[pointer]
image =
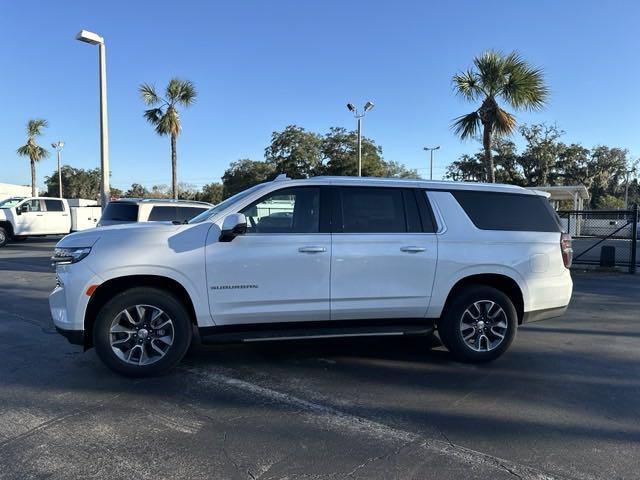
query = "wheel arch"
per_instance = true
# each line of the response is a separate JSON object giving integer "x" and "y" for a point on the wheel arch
{"x": 8, "y": 226}
{"x": 107, "y": 290}
{"x": 504, "y": 283}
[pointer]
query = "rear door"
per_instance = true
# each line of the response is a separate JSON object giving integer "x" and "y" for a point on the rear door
{"x": 56, "y": 218}
{"x": 279, "y": 270}
{"x": 384, "y": 253}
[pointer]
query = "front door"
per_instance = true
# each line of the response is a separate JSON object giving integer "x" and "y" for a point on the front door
{"x": 279, "y": 270}
{"x": 384, "y": 254}
{"x": 31, "y": 220}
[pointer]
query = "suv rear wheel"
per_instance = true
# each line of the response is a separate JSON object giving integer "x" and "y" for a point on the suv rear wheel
{"x": 142, "y": 331}
{"x": 479, "y": 325}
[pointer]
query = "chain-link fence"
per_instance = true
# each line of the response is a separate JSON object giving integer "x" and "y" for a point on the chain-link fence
{"x": 608, "y": 238}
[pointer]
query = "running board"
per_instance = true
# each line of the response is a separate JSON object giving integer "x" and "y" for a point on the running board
{"x": 277, "y": 333}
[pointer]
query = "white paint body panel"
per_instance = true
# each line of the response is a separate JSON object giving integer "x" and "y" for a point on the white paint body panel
{"x": 357, "y": 276}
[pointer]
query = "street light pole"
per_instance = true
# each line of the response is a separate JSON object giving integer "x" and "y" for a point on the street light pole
{"x": 59, "y": 145}
{"x": 95, "y": 39}
{"x": 367, "y": 106}
{"x": 430, "y": 150}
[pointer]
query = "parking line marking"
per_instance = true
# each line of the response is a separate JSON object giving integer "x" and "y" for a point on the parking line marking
{"x": 341, "y": 421}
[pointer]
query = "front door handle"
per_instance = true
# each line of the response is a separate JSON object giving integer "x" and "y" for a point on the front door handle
{"x": 412, "y": 249}
{"x": 39, "y": 215}
{"x": 312, "y": 249}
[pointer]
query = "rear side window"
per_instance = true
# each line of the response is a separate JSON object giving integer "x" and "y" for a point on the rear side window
{"x": 54, "y": 206}
{"x": 162, "y": 214}
{"x": 120, "y": 212}
{"x": 184, "y": 214}
{"x": 507, "y": 211}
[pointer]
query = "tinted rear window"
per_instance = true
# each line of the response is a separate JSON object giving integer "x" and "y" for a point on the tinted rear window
{"x": 507, "y": 211}
{"x": 53, "y": 206}
{"x": 120, "y": 212}
{"x": 168, "y": 213}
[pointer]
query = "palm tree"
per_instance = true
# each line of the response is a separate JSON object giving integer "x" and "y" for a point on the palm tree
{"x": 497, "y": 76}
{"x": 32, "y": 150}
{"x": 165, "y": 116}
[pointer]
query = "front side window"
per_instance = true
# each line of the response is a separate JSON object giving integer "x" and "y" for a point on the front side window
{"x": 373, "y": 210}
{"x": 53, "y": 206}
{"x": 291, "y": 210}
{"x": 32, "y": 206}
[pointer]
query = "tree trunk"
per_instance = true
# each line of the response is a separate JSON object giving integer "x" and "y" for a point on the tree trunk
{"x": 174, "y": 167}
{"x": 33, "y": 177}
{"x": 488, "y": 154}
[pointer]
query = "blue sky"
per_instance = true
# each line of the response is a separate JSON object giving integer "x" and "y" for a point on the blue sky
{"x": 261, "y": 65}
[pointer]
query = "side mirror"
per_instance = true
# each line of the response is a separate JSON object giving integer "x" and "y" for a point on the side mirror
{"x": 22, "y": 208}
{"x": 233, "y": 225}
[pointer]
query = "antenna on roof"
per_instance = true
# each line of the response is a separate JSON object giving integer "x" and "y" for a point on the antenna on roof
{"x": 281, "y": 177}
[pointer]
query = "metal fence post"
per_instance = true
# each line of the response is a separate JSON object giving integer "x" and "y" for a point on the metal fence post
{"x": 634, "y": 239}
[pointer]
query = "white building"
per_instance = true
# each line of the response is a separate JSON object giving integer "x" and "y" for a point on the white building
{"x": 9, "y": 190}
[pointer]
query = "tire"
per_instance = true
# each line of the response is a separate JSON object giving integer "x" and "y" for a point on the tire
{"x": 481, "y": 314}
{"x": 4, "y": 237}
{"x": 132, "y": 338}
{"x": 19, "y": 239}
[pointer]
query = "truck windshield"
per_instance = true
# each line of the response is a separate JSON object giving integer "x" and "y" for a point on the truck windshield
{"x": 225, "y": 204}
{"x": 10, "y": 202}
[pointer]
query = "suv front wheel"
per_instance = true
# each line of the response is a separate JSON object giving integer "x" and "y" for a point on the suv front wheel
{"x": 142, "y": 331}
{"x": 479, "y": 324}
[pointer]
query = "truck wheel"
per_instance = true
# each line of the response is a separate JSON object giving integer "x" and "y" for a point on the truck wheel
{"x": 142, "y": 332}
{"x": 4, "y": 237}
{"x": 479, "y": 324}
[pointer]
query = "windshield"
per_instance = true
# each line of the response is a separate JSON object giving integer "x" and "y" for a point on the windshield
{"x": 10, "y": 202}
{"x": 225, "y": 204}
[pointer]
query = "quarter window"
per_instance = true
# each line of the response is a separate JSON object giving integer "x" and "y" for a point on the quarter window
{"x": 291, "y": 210}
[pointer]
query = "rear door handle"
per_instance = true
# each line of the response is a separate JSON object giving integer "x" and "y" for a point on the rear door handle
{"x": 39, "y": 215}
{"x": 312, "y": 249}
{"x": 412, "y": 249}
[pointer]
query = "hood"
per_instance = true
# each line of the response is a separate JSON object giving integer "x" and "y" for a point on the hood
{"x": 118, "y": 233}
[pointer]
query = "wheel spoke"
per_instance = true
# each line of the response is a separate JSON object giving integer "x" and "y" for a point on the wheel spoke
{"x": 483, "y": 325}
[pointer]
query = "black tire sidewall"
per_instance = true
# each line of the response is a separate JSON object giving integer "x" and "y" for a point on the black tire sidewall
{"x": 138, "y": 296}
{"x": 4, "y": 235}
{"x": 449, "y": 331}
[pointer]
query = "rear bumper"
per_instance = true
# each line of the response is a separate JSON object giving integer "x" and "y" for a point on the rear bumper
{"x": 537, "y": 315}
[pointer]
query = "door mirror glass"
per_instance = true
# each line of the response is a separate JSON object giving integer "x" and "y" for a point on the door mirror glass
{"x": 23, "y": 208}
{"x": 233, "y": 225}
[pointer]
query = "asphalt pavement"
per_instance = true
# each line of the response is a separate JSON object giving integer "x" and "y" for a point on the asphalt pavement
{"x": 564, "y": 402}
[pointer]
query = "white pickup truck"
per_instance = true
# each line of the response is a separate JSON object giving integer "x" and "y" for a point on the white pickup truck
{"x": 35, "y": 216}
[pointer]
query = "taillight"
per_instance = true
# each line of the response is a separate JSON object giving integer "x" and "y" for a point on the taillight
{"x": 567, "y": 249}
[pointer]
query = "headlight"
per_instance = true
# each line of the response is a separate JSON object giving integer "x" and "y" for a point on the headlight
{"x": 65, "y": 256}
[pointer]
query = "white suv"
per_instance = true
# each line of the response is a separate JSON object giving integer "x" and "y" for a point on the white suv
{"x": 315, "y": 258}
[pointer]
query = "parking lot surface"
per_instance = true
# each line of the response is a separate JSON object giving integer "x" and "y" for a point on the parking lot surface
{"x": 564, "y": 402}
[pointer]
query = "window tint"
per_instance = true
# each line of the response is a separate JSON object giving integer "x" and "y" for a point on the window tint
{"x": 291, "y": 210}
{"x": 373, "y": 210}
{"x": 53, "y": 206}
{"x": 120, "y": 212}
{"x": 162, "y": 213}
{"x": 507, "y": 211}
{"x": 413, "y": 214}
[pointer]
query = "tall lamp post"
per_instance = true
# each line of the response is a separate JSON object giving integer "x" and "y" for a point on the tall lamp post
{"x": 356, "y": 113}
{"x": 95, "y": 39}
{"x": 58, "y": 146}
{"x": 430, "y": 150}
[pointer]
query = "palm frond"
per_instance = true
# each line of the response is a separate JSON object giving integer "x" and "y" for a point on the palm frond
{"x": 148, "y": 94}
{"x": 153, "y": 115}
{"x": 34, "y": 127}
{"x": 24, "y": 150}
{"x": 169, "y": 123}
{"x": 503, "y": 122}
{"x": 174, "y": 87}
{"x": 490, "y": 66}
{"x": 466, "y": 126}
{"x": 467, "y": 85}
{"x": 188, "y": 93}
{"x": 524, "y": 86}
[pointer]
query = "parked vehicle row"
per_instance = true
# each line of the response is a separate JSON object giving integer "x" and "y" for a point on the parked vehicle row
{"x": 315, "y": 258}
{"x": 22, "y": 217}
